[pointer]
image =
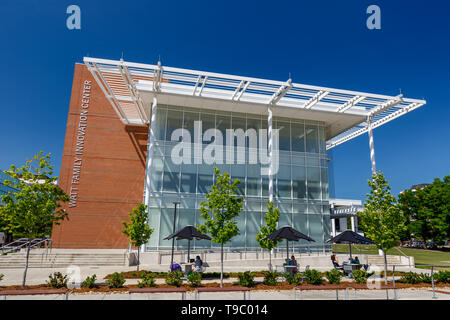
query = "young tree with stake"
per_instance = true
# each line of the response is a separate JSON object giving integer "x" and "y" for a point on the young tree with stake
{"x": 381, "y": 220}
{"x": 138, "y": 229}
{"x": 218, "y": 211}
{"x": 272, "y": 217}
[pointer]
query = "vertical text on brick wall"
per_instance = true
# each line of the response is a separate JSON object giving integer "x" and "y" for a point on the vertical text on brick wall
{"x": 80, "y": 144}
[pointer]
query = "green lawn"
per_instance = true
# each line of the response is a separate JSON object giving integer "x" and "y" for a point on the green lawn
{"x": 421, "y": 256}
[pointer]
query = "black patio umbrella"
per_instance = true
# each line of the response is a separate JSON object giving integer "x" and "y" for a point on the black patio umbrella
{"x": 290, "y": 234}
{"x": 350, "y": 237}
{"x": 189, "y": 233}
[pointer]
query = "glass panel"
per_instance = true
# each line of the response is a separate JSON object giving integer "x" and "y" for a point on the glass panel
{"x": 284, "y": 134}
{"x": 253, "y": 226}
{"x": 284, "y": 182}
{"x": 254, "y": 124}
{"x": 174, "y": 121}
{"x": 285, "y": 214}
{"x": 316, "y": 227}
{"x": 326, "y": 226}
{"x": 188, "y": 178}
{"x": 265, "y": 185}
{"x": 171, "y": 178}
{"x": 253, "y": 180}
{"x": 166, "y": 228}
{"x": 161, "y": 115}
{"x": 239, "y": 240}
{"x": 324, "y": 178}
{"x": 312, "y": 162}
{"x": 314, "y": 209}
{"x": 299, "y": 182}
{"x": 322, "y": 142}
{"x": 156, "y": 174}
{"x": 205, "y": 178}
{"x": 238, "y": 172}
{"x": 223, "y": 123}
{"x": 312, "y": 142}
{"x": 314, "y": 183}
{"x": 208, "y": 122}
{"x": 300, "y": 221}
{"x": 153, "y": 222}
{"x": 298, "y": 137}
{"x": 188, "y": 122}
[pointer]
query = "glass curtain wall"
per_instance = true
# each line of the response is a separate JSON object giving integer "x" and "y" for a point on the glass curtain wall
{"x": 300, "y": 185}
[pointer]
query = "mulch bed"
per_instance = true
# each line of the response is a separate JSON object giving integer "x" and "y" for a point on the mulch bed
{"x": 258, "y": 286}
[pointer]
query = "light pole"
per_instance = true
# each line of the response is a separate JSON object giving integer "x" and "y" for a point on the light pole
{"x": 173, "y": 231}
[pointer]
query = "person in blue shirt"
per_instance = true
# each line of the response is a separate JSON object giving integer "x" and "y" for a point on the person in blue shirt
{"x": 198, "y": 263}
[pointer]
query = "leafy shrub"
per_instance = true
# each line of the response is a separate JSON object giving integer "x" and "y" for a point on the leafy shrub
{"x": 57, "y": 280}
{"x": 411, "y": 278}
{"x": 174, "y": 278}
{"x": 148, "y": 280}
{"x": 89, "y": 282}
{"x": 270, "y": 278}
{"x": 295, "y": 278}
{"x": 361, "y": 276}
{"x": 313, "y": 276}
{"x": 425, "y": 278}
{"x": 194, "y": 279}
{"x": 333, "y": 276}
{"x": 117, "y": 280}
{"x": 442, "y": 276}
{"x": 246, "y": 279}
{"x": 1, "y": 276}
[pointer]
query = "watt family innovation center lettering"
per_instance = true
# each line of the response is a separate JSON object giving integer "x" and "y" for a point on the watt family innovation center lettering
{"x": 79, "y": 150}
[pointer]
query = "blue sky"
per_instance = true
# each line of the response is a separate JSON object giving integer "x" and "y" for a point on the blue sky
{"x": 318, "y": 42}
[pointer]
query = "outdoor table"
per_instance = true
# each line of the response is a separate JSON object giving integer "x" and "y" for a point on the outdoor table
{"x": 187, "y": 267}
{"x": 289, "y": 268}
{"x": 350, "y": 267}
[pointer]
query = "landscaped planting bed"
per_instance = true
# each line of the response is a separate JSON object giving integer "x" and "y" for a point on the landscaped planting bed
{"x": 245, "y": 279}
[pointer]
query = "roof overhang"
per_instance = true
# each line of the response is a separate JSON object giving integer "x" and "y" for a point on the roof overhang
{"x": 130, "y": 88}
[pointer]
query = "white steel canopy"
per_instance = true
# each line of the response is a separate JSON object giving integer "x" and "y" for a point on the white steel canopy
{"x": 130, "y": 88}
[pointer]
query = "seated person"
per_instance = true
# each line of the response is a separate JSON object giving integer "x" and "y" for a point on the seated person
{"x": 175, "y": 267}
{"x": 334, "y": 260}
{"x": 198, "y": 263}
{"x": 293, "y": 262}
{"x": 356, "y": 261}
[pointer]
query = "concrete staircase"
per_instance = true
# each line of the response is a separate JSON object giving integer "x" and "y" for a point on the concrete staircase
{"x": 53, "y": 259}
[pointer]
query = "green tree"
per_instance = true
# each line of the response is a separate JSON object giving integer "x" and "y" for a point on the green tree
{"x": 138, "y": 229}
{"x": 32, "y": 210}
{"x": 428, "y": 210}
{"x": 381, "y": 220}
{"x": 271, "y": 217}
{"x": 218, "y": 211}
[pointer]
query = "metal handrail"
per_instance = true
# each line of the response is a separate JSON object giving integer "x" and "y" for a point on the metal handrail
{"x": 33, "y": 243}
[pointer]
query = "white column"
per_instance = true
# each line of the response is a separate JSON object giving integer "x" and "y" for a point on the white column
{"x": 269, "y": 119}
{"x": 352, "y": 219}
{"x": 333, "y": 227}
{"x": 151, "y": 142}
{"x": 372, "y": 148}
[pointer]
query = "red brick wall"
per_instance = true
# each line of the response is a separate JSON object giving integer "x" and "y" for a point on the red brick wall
{"x": 111, "y": 180}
